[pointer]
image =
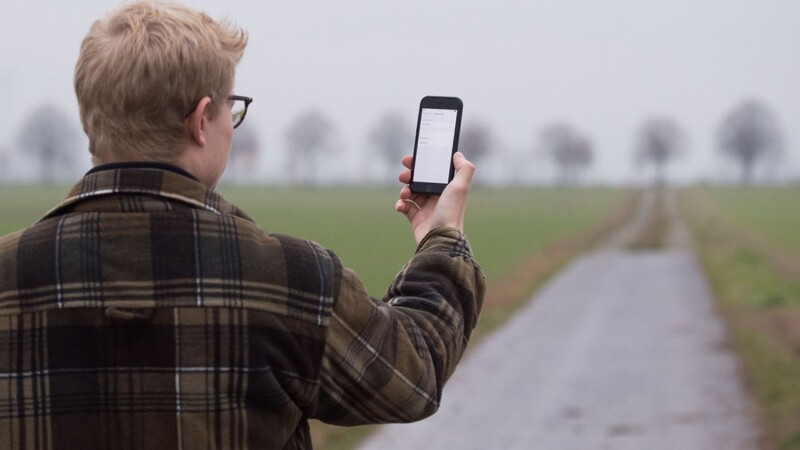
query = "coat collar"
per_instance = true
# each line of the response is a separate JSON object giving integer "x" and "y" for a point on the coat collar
{"x": 152, "y": 179}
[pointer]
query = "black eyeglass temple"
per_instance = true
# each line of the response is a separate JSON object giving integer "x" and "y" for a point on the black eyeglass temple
{"x": 246, "y": 100}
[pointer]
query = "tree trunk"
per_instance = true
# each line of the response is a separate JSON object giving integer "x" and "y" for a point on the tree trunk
{"x": 747, "y": 172}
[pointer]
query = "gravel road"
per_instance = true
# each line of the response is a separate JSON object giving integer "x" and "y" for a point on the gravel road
{"x": 622, "y": 350}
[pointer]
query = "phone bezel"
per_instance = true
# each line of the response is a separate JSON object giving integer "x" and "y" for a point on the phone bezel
{"x": 436, "y": 102}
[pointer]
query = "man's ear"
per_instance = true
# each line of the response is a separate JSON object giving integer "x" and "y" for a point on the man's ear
{"x": 196, "y": 122}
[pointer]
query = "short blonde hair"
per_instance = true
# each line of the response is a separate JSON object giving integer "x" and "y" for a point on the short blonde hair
{"x": 143, "y": 68}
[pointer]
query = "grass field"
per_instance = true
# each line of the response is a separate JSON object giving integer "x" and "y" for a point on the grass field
{"x": 20, "y": 206}
{"x": 772, "y": 212}
{"x": 749, "y": 243}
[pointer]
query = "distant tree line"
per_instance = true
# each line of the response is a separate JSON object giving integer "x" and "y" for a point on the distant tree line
{"x": 748, "y": 135}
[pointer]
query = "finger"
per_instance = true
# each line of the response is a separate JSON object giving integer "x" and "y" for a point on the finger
{"x": 464, "y": 168}
{"x": 407, "y": 207}
{"x": 412, "y": 202}
{"x": 405, "y": 176}
{"x": 401, "y": 205}
{"x": 405, "y": 193}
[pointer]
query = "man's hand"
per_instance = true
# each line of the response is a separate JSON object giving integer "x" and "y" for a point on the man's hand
{"x": 426, "y": 212}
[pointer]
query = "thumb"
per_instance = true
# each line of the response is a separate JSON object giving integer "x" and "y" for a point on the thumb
{"x": 464, "y": 168}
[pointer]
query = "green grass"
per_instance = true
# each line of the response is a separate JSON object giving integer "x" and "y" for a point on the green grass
{"x": 747, "y": 242}
{"x": 21, "y": 206}
{"x": 773, "y": 212}
{"x": 506, "y": 226}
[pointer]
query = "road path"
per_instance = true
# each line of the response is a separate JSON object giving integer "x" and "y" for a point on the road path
{"x": 622, "y": 350}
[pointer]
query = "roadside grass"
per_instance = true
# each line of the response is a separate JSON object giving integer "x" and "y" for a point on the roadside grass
{"x": 520, "y": 237}
{"x": 772, "y": 212}
{"x": 749, "y": 245}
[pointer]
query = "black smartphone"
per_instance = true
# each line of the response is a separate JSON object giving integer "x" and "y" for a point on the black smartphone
{"x": 438, "y": 128}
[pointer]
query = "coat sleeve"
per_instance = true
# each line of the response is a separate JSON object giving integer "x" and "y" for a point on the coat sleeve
{"x": 387, "y": 360}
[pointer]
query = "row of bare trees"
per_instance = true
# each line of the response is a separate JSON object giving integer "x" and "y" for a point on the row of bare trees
{"x": 748, "y": 134}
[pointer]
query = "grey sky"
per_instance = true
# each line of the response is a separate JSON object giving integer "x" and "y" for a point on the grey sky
{"x": 603, "y": 66}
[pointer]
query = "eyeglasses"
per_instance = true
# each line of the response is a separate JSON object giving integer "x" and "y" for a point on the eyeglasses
{"x": 239, "y": 109}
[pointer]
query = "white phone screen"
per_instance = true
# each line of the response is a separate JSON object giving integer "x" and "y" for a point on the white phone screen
{"x": 437, "y": 129}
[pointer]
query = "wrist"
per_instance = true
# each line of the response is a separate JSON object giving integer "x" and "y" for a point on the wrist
{"x": 440, "y": 234}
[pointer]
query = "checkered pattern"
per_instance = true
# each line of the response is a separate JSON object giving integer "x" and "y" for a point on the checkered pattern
{"x": 146, "y": 311}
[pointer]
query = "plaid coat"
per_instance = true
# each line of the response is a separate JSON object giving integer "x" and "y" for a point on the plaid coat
{"x": 146, "y": 312}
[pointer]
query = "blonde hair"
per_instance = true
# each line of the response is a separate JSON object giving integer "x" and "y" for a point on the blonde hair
{"x": 143, "y": 68}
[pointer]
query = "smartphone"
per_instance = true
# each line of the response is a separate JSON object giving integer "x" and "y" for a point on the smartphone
{"x": 438, "y": 128}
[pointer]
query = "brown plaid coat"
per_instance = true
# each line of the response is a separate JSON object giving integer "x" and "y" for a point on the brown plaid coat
{"x": 146, "y": 312}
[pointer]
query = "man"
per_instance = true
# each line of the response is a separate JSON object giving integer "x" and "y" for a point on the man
{"x": 145, "y": 311}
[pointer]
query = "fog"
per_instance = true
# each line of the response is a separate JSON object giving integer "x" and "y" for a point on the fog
{"x": 519, "y": 66}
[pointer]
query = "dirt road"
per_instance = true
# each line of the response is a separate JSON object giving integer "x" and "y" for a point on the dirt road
{"x": 622, "y": 350}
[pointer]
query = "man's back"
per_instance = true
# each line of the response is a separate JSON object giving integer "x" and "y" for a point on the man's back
{"x": 157, "y": 324}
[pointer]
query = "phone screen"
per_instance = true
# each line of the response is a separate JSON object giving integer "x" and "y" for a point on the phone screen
{"x": 437, "y": 129}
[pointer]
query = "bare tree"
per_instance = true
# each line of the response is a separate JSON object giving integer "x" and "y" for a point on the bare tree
{"x": 394, "y": 137}
{"x": 659, "y": 141}
{"x": 308, "y": 136}
{"x": 475, "y": 141}
{"x": 571, "y": 151}
{"x": 749, "y": 133}
{"x": 244, "y": 153}
{"x": 50, "y": 137}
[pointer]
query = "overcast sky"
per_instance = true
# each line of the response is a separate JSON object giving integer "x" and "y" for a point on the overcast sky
{"x": 603, "y": 66}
